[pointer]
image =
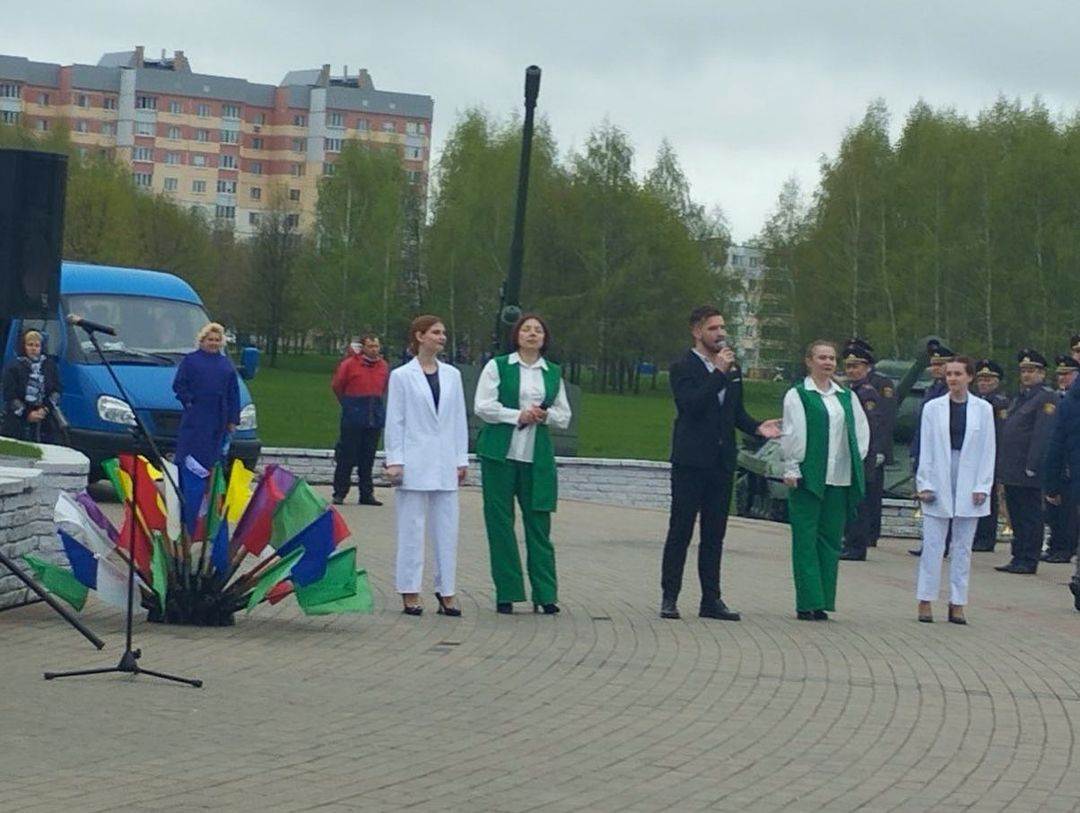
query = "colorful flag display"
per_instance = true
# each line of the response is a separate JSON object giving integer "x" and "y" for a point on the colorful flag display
{"x": 189, "y": 569}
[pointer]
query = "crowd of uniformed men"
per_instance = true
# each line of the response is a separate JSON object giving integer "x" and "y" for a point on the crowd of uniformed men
{"x": 1024, "y": 424}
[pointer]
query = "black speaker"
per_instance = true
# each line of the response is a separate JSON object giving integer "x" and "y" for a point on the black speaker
{"x": 32, "y": 187}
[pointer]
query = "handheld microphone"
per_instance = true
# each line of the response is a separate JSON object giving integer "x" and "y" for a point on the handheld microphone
{"x": 90, "y": 327}
{"x": 545, "y": 405}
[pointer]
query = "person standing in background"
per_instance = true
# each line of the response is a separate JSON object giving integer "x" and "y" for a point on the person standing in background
{"x": 988, "y": 375}
{"x": 1061, "y": 519}
{"x": 359, "y": 384}
{"x": 886, "y": 410}
{"x": 207, "y": 386}
{"x": 858, "y": 533}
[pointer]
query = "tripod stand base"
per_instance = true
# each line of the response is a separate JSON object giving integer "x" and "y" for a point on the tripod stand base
{"x": 128, "y": 665}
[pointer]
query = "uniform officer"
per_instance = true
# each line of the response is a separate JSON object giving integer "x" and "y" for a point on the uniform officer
{"x": 1061, "y": 515}
{"x": 858, "y": 533}
{"x": 1074, "y": 345}
{"x": 887, "y": 407}
{"x": 1023, "y": 434}
{"x": 988, "y": 375}
{"x": 939, "y": 355}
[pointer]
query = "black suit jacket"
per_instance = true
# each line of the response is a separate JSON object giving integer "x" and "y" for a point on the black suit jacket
{"x": 704, "y": 432}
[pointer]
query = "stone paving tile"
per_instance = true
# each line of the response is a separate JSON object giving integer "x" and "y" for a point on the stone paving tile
{"x": 605, "y": 707}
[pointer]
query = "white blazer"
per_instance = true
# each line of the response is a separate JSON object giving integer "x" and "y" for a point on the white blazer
{"x": 429, "y": 445}
{"x": 976, "y": 472}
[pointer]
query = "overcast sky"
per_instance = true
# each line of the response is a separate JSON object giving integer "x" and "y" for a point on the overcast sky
{"x": 748, "y": 93}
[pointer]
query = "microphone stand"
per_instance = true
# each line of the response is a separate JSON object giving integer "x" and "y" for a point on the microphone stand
{"x": 129, "y": 661}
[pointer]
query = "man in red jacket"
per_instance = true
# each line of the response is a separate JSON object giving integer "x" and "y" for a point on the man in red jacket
{"x": 360, "y": 385}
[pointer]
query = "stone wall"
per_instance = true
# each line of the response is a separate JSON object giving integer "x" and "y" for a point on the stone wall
{"x": 28, "y": 491}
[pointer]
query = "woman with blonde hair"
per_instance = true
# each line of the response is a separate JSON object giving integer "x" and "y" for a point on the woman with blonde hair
{"x": 207, "y": 387}
{"x": 31, "y": 391}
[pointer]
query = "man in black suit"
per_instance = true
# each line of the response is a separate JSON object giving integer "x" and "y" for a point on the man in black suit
{"x": 707, "y": 385}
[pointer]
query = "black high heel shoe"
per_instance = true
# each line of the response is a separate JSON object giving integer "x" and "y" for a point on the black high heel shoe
{"x": 546, "y": 609}
{"x": 411, "y": 609}
{"x": 446, "y": 609}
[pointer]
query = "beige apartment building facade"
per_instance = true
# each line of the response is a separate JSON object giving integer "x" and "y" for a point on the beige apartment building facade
{"x": 230, "y": 147}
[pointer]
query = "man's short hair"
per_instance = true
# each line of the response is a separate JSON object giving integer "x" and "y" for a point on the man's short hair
{"x": 703, "y": 312}
{"x": 367, "y": 337}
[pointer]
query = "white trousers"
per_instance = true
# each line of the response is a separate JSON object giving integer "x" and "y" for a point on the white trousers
{"x": 422, "y": 516}
{"x": 933, "y": 551}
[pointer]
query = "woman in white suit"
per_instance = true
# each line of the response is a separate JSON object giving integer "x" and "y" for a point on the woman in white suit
{"x": 954, "y": 481}
{"x": 426, "y": 441}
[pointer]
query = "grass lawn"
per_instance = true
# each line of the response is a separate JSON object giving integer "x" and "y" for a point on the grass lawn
{"x": 297, "y": 408}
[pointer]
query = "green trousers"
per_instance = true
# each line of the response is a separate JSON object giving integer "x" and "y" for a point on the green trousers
{"x": 817, "y": 531}
{"x": 503, "y": 482}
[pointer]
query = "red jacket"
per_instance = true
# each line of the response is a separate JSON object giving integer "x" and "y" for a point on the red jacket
{"x": 359, "y": 385}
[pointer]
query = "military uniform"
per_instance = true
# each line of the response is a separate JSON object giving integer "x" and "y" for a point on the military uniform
{"x": 858, "y": 534}
{"x": 1061, "y": 519}
{"x": 986, "y": 531}
{"x": 1027, "y": 424}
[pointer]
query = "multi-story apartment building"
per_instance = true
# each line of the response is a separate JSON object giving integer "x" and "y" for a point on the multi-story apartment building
{"x": 223, "y": 144}
{"x": 758, "y": 311}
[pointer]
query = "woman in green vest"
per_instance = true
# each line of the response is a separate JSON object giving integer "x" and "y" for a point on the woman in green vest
{"x": 518, "y": 397}
{"x": 826, "y": 436}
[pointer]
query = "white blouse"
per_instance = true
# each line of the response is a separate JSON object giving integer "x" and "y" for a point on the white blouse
{"x": 487, "y": 407}
{"x": 793, "y": 440}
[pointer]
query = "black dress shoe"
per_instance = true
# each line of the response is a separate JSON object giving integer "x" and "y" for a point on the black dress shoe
{"x": 369, "y": 501}
{"x": 915, "y": 551}
{"x": 546, "y": 609}
{"x": 1074, "y": 588}
{"x": 669, "y": 609}
{"x": 983, "y": 547}
{"x": 804, "y": 615}
{"x": 821, "y": 615}
{"x": 719, "y": 610}
{"x": 336, "y": 500}
{"x": 504, "y": 608}
{"x": 1013, "y": 567}
{"x": 1057, "y": 558}
{"x": 852, "y": 556}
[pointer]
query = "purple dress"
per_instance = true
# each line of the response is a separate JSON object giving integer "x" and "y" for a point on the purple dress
{"x": 207, "y": 386}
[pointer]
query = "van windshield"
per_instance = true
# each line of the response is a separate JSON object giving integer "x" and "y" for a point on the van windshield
{"x": 144, "y": 325}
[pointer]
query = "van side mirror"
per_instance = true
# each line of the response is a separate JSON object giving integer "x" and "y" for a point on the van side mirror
{"x": 249, "y": 362}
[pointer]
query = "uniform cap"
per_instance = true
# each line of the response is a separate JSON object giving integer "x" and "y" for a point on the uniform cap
{"x": 1029, "y": 357}
{"x": 938, "y": 352}
{"x": 859, "y": 353}
{"x": 988, "y": 367}
{"x": 1066, "y": 364}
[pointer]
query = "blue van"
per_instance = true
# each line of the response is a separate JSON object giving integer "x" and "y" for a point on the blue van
{"x": 156, "y": 316}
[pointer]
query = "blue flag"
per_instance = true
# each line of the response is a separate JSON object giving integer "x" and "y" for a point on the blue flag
{"x": 192, "y": 489}
{"x": 83, "y": 563}
{"x": 219, "y": 552}
{"x": 317, "y": 540}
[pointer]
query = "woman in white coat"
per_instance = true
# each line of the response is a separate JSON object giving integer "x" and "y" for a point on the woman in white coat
{"x": 954, "y": 481}
{"x": 427, "y": 442}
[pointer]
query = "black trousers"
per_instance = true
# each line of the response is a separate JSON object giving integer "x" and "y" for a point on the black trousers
{"x": 355, "y": 449}
{"x": 1061, "y": 520}
{"x": 1025, "y": 512}
{"x": 694, "y": 492}
{"x": 875, "y": 491}
{"x": 859, "y": 533}
{"x": 986, "y": 530}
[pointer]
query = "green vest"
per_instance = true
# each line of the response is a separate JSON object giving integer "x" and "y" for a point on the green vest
{"x": 493, "y": 441}
{"x": 815, "y": 463}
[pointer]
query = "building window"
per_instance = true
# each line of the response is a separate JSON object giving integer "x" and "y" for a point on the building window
{"x": 226, "y": 187}
{"x": 412, "y": 176}
{"x": 175, "y": 133}
{"x": 41, "y": 125}
{"x": 294, "y": 194}
{"x": 260, "y": 119}
{"x": 329, "y": 169}
{"x": 333, "y": 144}
{"x": 298, "y": 145}
{"x": 146, "y": 102}
{"x": 389, "y": 127}
{"x": 413, "y": 153}
{"x": 43, "y": 99}
{"x": 203, "y": 110}
{"x": 253, "y": 218}
{"x": 299, "y": 120}
{"x": 230, "y": 111}
{"x": 175, "y": 108}
{"x": 82, "y": 126}
{"x": 142, "y": 154}
{"x": 414, "y": 128}
{"x": 198, "y": 187}
{"x": 292, "y": 221}
{"x": 225, "y": 212}
{"x": 255, "y": 192}
{"x": 335, "y": 119}
{"x": 9, "y": 116}
{"x": 171, "y": 184}
{"x": 257, "y": 143}
{"x": 9, "y": 91}
{"x": 227, "y": 162}
{"x": 362, "y": 125}
{"x": 202, "y": 135}
{"x": 108, "y": 128}
{"x": 144, "y": 128}
{"x": 753, "y": 262}
{"x": 172, "y": 158}
{"x": 256, "y": 168}
{"x": 296, "y": 170}
{"x": 229, "y": 137}
{"x": 198, "y": 160}
{"x": 143, "y": 179}
{"x": 109, "y": 103}
{"x": 82, "y": 100}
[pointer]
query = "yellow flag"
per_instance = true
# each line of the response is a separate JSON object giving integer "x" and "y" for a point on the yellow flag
{"x": 238, "y": 491}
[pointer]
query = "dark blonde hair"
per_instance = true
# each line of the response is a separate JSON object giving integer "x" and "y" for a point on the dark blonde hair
{"x": 421, "y": 324}
{"x": 818, "y": 343}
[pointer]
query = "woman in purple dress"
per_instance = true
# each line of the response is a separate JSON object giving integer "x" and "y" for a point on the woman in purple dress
{"x": 207, "y": 386}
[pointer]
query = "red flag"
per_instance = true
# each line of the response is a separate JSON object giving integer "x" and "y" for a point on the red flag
{"x": 279, "y": 591}
{"x": 142, "y": 541}
{"x": 254, "y": 529}
{"x": 341, "y": 530}
{"x": 148, "y": 498}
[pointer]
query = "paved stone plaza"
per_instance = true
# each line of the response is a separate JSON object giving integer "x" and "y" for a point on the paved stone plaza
{"x": 605, "y": 707}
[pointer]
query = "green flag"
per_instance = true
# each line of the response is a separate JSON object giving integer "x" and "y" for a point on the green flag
{"x": 58, "y": 581}
{"x": 216, "y": 502}
{"x": 360, "y": 601}
{"x": 271, "y": 577}
{"x": 111, "y": 467}
{"x": 158, "y": 570}
{"x": 338, "y": 582}
{"x": 300, "y": 508}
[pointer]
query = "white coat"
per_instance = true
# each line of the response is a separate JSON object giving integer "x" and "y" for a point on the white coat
{"x": 429, "y": 445}
{"x": 976, "y": 470}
